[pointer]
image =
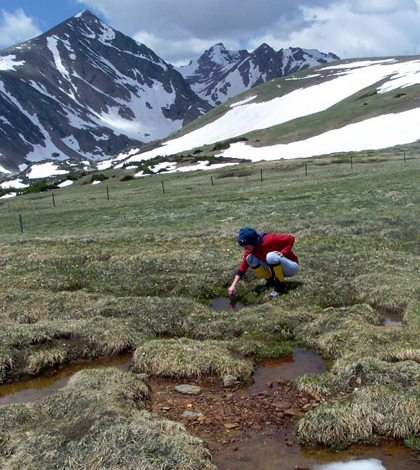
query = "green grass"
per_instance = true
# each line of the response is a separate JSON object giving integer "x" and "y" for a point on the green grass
{"x": 93, "y": 276}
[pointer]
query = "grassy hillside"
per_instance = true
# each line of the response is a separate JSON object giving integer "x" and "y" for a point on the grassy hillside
{"x": 364, "y": 104}
{"x": 94, "y": 276}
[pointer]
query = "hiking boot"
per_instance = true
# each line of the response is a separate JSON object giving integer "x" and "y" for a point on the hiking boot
{"x": 279, "y": 289}
{"x": 270, "y": 283}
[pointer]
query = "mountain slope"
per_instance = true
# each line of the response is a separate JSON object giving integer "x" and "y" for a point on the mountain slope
{"x": 345, "y": 106}
{"x": 219, "y": 74}
{"x": 85, "y": 90}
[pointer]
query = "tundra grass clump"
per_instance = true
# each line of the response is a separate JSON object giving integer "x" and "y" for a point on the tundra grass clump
{"x": 353, "y": 332}
{"x": 35, "y": 348}
{"x": 97, "y": 421}
{"x": 189, "y": 359}
{"x": 314, "y": 384}
{"x": 373, "y": 412}
{"x": 371, "y": 371}
{"x": 398, "y": 355}
{"x": 46, "y": 359}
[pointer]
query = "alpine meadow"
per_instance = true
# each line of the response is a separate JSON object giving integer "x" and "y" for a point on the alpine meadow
{"x": 122, "y": 265}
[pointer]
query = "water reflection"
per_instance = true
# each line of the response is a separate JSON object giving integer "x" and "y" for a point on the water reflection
{"x": 371, "y": 464}
{"x": 289, "y": 367}
{"x": 262, "y": 452}
{"x": 226, "y": 303}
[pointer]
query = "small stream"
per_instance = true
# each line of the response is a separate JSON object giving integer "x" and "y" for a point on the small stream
{"x": 40, "y": 387}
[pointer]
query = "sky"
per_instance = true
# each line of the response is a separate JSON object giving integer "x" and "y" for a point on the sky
{"x": 180, "y": 31}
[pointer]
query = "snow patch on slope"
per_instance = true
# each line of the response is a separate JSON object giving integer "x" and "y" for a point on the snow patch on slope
{"x": 372, "y": 134}
{"x": 9, "y": 62}
{"x": 44, "y": 170}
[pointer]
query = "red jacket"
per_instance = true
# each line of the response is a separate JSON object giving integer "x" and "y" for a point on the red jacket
{"x": 269, "y": 242}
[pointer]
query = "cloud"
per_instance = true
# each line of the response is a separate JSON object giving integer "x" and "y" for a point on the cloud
{"x": 16, "y": 27}
{"x": 382, "y": 6}
{"x": 353, "y": 29}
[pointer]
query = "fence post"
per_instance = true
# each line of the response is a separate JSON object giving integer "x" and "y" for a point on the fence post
{"x": 212, "y": 181}
{"x": 53, "y": 199}
{"x": 351, "y": 161}
{"x": 107, "y": 193}
{"x": 306, "y": 169}
{"x": 261, "y": 174}
{"x": 404, "y": 158}
{"x": 20, "y": 223}
{"x": 163, "y": 188}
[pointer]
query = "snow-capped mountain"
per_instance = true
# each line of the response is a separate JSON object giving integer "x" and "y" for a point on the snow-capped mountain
{"x": 86, "y": 90}
{"x": 220, "y": 74}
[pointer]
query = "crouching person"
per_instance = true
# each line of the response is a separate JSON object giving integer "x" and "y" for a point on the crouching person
{"x": 271, "y": 257}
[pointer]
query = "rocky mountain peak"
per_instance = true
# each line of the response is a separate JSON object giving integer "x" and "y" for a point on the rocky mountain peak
{"x": 219, "y": 74}
{"x": 85, "y": 90}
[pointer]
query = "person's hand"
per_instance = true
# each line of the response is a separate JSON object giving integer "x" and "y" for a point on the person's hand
{"x": 231, "y": 289}
{"x": 279, "y": 253}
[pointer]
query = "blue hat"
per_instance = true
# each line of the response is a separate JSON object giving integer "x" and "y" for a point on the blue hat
{"x": 247, "y": 236}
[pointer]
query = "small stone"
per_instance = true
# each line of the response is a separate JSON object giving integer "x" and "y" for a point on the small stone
{"x": 282, "y": 405}
{"x": 229, "y": 380}
{"x": 191, "y": 414}
{"x": 188, "y": 389}
{"x": 231, "y": 425}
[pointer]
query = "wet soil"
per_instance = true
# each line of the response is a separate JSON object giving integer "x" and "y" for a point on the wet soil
{"x": 223, "y": 416}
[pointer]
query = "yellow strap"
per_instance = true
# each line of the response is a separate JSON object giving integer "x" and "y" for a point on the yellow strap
{"x": 278, "y": 272}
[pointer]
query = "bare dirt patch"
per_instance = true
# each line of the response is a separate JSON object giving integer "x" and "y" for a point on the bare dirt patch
{"x": 224, "y": 416}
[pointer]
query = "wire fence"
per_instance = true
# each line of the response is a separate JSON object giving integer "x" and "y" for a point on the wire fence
{"x": 160, "y": 184}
